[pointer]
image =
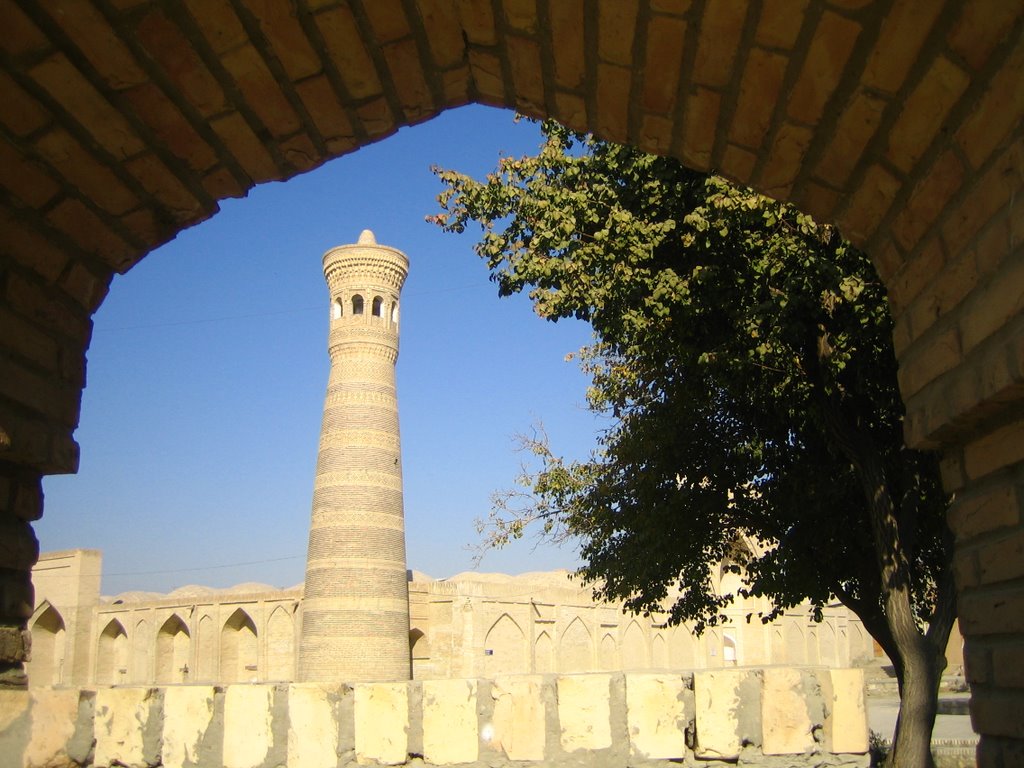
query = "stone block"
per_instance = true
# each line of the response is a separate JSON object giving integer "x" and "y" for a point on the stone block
{"x": 584, "y": 712}
{"x": 122, "y": 720}
{"x": 188, "y": 711}
{"x": 718, "y": 695}
{"x": 656, "y": 716}
{"x": 54, "y": 714}
{"x": 787, "y": 726}
{"x": 518, "y": 725}
{"x": 14, "y": 722}
{"x": 248, "y": 720}
{"x": 313, "y": 726}
{"x": 450, "y": 730}
{"x": 848, "y": 724}
{"x": 382, "y": 722}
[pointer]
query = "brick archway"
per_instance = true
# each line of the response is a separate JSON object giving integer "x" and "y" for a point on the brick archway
{"x": 125, "y": 121}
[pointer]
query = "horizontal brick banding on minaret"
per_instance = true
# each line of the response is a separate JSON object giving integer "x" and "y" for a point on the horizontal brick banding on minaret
{"x": 356, "y": 607}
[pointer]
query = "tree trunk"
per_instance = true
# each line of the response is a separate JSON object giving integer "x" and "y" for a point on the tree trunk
{"x": 911, "y": 745}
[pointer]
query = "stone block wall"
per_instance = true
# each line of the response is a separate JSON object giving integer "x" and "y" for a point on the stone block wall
{"x": 746, "y": 716}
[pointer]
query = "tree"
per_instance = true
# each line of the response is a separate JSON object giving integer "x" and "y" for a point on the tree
{"x": 744, "y": 355}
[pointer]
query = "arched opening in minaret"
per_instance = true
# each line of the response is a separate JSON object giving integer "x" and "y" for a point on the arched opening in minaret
{"x": 357, "y": 305}
{"x": 336, "y": 309}
{"x": 394, "y": 312}
{"x": 378, "y": 303}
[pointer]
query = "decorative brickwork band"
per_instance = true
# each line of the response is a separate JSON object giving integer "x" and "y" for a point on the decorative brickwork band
{"x": 356, "y": 608}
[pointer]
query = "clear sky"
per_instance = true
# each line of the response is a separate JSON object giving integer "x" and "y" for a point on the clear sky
{"x": 208, "y": 367}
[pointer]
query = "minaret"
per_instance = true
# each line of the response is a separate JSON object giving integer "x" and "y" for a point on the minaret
{"x": 355, "y": 612}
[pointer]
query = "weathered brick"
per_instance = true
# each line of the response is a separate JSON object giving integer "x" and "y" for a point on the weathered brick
{"x": 25, "y": 339}
{"x": 720, "y": 31}
{"x": 31, "y": 248}
{"x": 33, "y": 390}
{"x": 676, "y": 7}
{"x": 248, "y": 150}
{"x": 997, "y": 114}
{"x": 996, "y": 243}
{"x": 826, "y": 59}
{"x": 656, "y": 133}
{"x": 780, "y": 23}
{"x": 147, "y": 229}
{"x": 924, "y": 112}
{"x": 219, "y": 184}
{"x": 700, "y": 125}
{"x": 1000, "y": 448}
{"x": 869, "y": 204}
{"x": 965, "y": 569}
{"x": 758, "y": 95}
{"x": 455, "y": 86}
{"x": 90, "y": 233}
{"x": 785, "y": 160}
{"x": 977, "y": 662}
{"x": 300, "y": 152}
{"x": 941, "y": 353}
{"x": 388, "y": 20}
{"x": 521, "y": 15}
{"x": 1004, "y": 558}
{"x": 613, "y": 84}
{"x": 738, "y": 164}
{"x": 571, "y": 110}
{"x": 887, "y": 260}
{"x": 261, "y": 91}
{"x": 929, "y": 197}
{"x": 857, "y": 125}
{"x": 62, "y": 80}
{"x": 951, "y": 468}
{"x": 407, "y": 75}
{"x": 987, "y": 195}
{"x": 98, "y": 41}
{"x": 487, "y": 77}
{"x": 665, "y": 39}
{"x": 280, "y": 25}
{"x": 164, "y": 41}
{"x": 903, "y": 32}
{"x": 22, "y": 114}
{"x": 567, "y": 28}
{"x": 86, "y": 288}
{"x": 324, "y": 108}
{"x": 24, "y": 179}
{"x": 820, "y": 201}
{"x": 21, "y": 36}
{"x": 476, "y": 17}
{"x": 999, "y": 300}
{"x": 219, "y": 23}
{"x": 1001, "y": 712}
{"x": 992, "y": 611}
{"x": 1008, "y": 663}
{"x": 441, "y": 23}
{"x": 346, "y": 50}
{"x": 170, "y": 126}
{"x": 616, "y": 25}
{"x": 376, "y": 118}
{"x": 524, "y": 61}
{"x": 917, "y": 270}
{"x": 163, "y": 185}
{"x": 92, "y": 178}
{"x": 951, "y": 285}
{"x": 982, "y": 24}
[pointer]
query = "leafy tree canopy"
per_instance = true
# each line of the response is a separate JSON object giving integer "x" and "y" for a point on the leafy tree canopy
{"x": 744, "y": 354}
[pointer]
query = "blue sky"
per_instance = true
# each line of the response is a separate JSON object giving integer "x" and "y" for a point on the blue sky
{"x": 208, "y": 367}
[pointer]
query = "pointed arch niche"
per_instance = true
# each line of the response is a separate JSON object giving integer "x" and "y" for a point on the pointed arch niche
{"x": 280, "y": 645}
{"x": 173, "y": 648}
{"x": 239, "y": 649}
{"x": 48, "y": 647}
{"x": 112, "y": 654}
{"x": 576, "y": 648}
{"x": 504, "y": 648}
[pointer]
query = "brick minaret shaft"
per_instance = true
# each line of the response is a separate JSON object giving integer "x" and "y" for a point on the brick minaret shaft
{"x": 355, "y": 615}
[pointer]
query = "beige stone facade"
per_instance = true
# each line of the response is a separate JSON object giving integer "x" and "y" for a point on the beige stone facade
{"x": 469, "y": 626}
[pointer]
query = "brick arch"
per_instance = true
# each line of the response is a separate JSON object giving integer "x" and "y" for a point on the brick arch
{"x": 126, "y": 122}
